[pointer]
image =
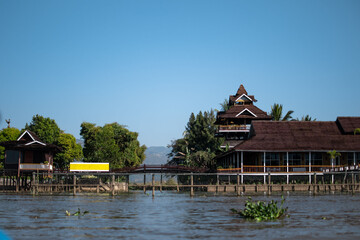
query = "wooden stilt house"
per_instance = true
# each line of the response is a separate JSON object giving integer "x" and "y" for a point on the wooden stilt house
{"x": 28, "y": 154}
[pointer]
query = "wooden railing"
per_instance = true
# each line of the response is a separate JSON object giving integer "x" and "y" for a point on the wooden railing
{"x": 244, "y": 127}
{"x": 281, "y": 168}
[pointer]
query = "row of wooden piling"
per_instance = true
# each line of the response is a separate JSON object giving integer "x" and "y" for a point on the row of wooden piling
{"x": 240, "y": 188}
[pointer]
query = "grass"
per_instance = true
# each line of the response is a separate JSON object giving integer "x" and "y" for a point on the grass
{"x": 261, "y": 211}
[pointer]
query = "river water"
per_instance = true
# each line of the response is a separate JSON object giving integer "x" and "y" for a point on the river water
{"x": 172, "y": 215}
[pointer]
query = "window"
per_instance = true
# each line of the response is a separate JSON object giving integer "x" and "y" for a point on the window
{"x": 351, "y": 158}
{"x": 295, "y": 158}
{"x": 316, "y": 159}
{"x": 272, "y": 159}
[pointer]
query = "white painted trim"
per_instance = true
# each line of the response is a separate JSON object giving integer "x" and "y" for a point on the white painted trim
{"x": 242, "y": 96}
{"x": 24, "y": 134}
{"x": 35, "y": 142}
{"x": 244, "y": 111}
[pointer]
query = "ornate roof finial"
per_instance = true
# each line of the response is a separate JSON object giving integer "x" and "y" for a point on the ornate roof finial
{"x": 8, "y": 122}
{"x": 241, "y": 90}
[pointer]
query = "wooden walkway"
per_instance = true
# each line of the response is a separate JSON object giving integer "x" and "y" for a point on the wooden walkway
{"x": 116, "y": 183}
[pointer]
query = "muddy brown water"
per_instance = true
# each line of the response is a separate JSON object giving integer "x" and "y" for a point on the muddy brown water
{"x": 172, "y": 215}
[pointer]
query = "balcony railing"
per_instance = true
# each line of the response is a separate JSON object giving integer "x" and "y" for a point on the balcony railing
{"x": 234, "y": 128}
{"x": 279, "y": 169}
{"x": 36, "y": 166}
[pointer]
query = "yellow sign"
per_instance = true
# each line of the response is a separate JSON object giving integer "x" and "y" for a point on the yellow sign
{"x": 89, "y": 167}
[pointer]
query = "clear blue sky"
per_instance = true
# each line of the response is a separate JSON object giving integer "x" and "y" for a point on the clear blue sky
{"x": 149, "y": 64}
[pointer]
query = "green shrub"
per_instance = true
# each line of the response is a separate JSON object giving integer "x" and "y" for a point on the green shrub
{"x": 261, "y": 211}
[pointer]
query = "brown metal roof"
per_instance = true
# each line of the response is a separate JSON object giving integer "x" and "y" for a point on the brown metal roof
{"x": 298, "y": 136}
{"x": 235, "y": 110}
{"x": 240, "y": 92}
{"x": 348, "y": 124}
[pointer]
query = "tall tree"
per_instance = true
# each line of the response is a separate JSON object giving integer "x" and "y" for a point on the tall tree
{"x": 112, "y": 143}
{"x": 277, "y": 113}
{"x": 70, "y": 150}
{"x": 198, "y": 146}
{"x": 45, "y": 128}
{"x": 7, "y": 134}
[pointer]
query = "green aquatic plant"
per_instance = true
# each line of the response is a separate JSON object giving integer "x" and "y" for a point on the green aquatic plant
{"x": 77, "y": 213}
{"x": 260, "y": 211}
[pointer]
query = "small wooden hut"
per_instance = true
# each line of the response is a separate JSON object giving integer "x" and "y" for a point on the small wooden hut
{"x": 28, "y": 154}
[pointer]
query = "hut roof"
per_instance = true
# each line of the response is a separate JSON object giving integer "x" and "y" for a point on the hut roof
{"x": 298, "y": 136}
{"x": 29, "y": 141}
{"x": 348, "y": 124}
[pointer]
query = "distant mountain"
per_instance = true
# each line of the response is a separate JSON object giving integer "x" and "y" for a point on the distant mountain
{"x": 80, "y": 141}
{"x": 156, "y": 155}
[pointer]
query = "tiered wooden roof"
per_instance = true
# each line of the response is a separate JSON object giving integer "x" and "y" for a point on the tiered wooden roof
{"x": 29, "y": 140}
{"x": 300, "y": 136}
{"x": 241, "y": 92}
{"x": 244, "y": 111}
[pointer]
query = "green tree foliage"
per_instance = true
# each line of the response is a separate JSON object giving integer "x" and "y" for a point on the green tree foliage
{"x": 306, "y": 118}
{"x": 70, "y": 150}
{"x": 45, "y": 128}
{"x": 199, "y": 145}
{"x": 357, "y": 131}
{"x": 333, "y": 155}
{"x": 112, "y": 143}
{"x": 225, "y": 105}
{"x": 7, "y": 134}
{"x": 277, "y": 113}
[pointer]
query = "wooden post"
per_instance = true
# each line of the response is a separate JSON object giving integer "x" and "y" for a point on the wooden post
{"x": 217, "y": 182}
{"x": 113, "y": 184}
{"x": 177, "y": 183}
{"x": 191, "y": 183}
{"x": 161, "y": 181}
{"x": 353, "y": 182}
{"x": 238, "y": 185}
{"x": 144, "y": 181}
{"x": 128, "y": 182}
{"x": 33, "y": 184}
{"x": 287, "y": 167}
{"x": 98, "y": 185}
{"x": 315, "y": 183}
{"x": 264, "y": 167}
{"x": 269, "y": 182}
{"x": 74, "y": 190}
{"x": 153, "y": 185}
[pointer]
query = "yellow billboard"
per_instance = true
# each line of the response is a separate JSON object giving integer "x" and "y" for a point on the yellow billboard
{"x": 89, "y": 167}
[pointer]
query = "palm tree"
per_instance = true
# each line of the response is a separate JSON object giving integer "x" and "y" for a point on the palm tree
{"x": 277, "y": 111}
{"x": 333, "y": 155}
{"x": 225, "y": 105}
{"x": 307, "y": 118}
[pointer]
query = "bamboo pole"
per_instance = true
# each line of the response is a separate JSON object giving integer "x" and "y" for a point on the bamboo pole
{"x": 191, "y": 184}
{"x": 153, "y": 185}
{"x": 74, "y": 188}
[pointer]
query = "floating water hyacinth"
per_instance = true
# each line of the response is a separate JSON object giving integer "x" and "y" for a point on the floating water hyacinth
{"x": 78, "y": 213}
{"x": 260, "y": 211}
